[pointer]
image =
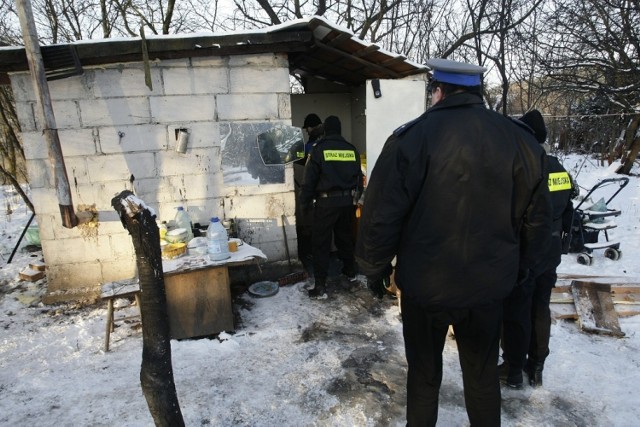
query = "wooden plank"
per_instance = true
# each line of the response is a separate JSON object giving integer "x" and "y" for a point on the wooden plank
{"x": 612, "y": 280}
{"x": 568, "y": 311}
{"x": 31, "y": 275}
{"x": 619, "y": 295}
{"x": 595, "y": 309}
{"x": 199, "y": 302}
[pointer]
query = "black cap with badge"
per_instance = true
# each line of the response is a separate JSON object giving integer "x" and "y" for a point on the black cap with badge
{"x": 455, "y": 73}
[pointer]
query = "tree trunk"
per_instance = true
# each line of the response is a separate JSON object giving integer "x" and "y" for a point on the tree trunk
{"x": 156, "y": 374}
{"x": 634, "y": 146}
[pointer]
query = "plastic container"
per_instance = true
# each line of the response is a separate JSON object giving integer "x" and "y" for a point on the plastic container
{"x": 162, "y": 229}
{"x": 183, "y": 221}
{"x": 217, "y": 241}
{"x": 32, "y": 235}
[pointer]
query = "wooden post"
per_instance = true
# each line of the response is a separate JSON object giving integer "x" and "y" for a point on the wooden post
{"x": 156, "y": 373}
{"x": 47, "y": 119}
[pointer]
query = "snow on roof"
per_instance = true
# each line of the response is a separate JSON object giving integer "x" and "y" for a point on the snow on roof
{"x": 315, "y": 47}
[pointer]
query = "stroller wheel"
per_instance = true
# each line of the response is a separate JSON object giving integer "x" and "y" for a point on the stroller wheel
{"x": 584, "y": 259}
{"x": 613, "y": 254}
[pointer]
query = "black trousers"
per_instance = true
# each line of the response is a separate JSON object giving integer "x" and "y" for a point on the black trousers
{"x": 336, "y": 222}
{"x": 541, "y": 317}
{"x": 516, "y": 325}
{"x": 477, "y": 332}
{"x": 527, "y": 322}
{"x": 304, "y": 232}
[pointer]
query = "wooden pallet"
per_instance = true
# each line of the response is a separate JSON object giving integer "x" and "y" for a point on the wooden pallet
{"x": 624, "y": 292}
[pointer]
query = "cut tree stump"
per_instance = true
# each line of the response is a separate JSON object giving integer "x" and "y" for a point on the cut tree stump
{"x": 595, "y": 309}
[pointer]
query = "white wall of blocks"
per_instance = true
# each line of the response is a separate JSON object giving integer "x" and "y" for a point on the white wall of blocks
{"x": 112, "y": 127}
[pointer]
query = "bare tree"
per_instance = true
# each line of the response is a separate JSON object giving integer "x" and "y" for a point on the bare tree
{"x": 594, "y": 50}
{"x": 12, "y": 161}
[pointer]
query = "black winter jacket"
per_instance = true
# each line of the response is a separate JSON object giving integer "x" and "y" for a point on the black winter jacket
{"x": 333, "y": 166}
{"x": 560, "y": 192}
{"x": 460, "y": 196}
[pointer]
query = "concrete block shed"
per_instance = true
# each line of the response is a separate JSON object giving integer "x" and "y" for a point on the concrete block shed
{"x": 120, "y": 118}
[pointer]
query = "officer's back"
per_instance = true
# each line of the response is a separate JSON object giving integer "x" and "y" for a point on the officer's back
{"x": 333, "y": 171}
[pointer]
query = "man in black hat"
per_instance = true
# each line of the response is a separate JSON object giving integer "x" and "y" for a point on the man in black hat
{"x": 332, "y": 183}
{"x": 313, "y": 127}
{"x": 304, "y": 219}
{"x": 458, "y": 196}
{"x": 527, "y": 317}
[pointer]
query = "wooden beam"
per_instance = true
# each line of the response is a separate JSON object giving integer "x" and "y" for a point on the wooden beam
{"x": 47, "y": 118}
{"x": 595, "y": 309}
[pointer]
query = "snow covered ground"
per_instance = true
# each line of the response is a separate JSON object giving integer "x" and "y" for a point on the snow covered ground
{"x": 296, "y": 362}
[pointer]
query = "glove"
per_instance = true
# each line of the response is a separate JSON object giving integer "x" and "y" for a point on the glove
{"x": 378, "y": 284}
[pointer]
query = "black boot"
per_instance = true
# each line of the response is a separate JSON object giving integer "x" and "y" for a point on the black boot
{"x": 319, "y": 290}
{"x": 510, "y": 377}
{"x": 534, "y": 372}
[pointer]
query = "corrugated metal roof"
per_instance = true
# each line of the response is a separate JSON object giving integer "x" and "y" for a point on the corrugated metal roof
{"x": 315, "y": 47}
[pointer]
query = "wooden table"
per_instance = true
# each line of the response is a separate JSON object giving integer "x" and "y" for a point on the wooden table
{"x": 198, "y": 292}
{"x": 113, "y": 290}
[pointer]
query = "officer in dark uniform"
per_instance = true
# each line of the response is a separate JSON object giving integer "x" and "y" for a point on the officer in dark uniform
{"x": 459, "y": 197}
{"x": 527, "y": 317}
{"x": 300, "y": 150}
{"x": 304, "y": 218}
{"x": 332, "y": 178}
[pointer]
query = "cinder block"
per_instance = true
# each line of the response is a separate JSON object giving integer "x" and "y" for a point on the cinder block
{"x": 116, "y": 167}
{"x": 182, "y": 108}
{"x": 208, "y": 61}
{"x": 45, "y": 201}
{"x": 72, "y": 88}
{"x": 120, "y": 269}
{"x": 100, "y": 193}
{"x": 26, "y": 115}
{"x": 197, "y": 161}
{"x": 77, "y": 173}
{"x": 124, "y": 139}
{"x": 22, "y": 87}
{"x": 259, "y": 80}
{"x": 125, "y": 81}
{"x": 169, "y": 63}
{"x": 284, "y": 106}
{"x": 79, "y": 249}
{"x": 247, "y": 106}
{"x": 115, "y": 111}
{"x": 62, "y": 278}
{"x": 195, "y": 81}
{"x": 34, "y": 145}
{"x": 264, "y": 60}
{"x": 121, "y": 247}
{"x": 77, "y": 142}
{"x": 196, "y": 186}
{"x": 45, "y": 225}
{"x": 201, "y": 135}
{"x": 66, "y": 114}
{"x": 153, "y": 190}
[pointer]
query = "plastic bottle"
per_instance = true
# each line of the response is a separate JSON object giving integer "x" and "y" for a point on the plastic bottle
{"x": 162, "y": 229}
{"x": 217, "y": 240}
{"x": 183, "y": 221}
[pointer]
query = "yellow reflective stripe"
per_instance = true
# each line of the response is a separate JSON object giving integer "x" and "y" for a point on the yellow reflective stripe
{"x": 299, "y": 154}
{"x": 339, "y": 156}
{"x": 559, "y": 181}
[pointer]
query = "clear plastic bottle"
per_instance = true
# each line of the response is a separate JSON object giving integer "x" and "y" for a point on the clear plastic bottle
{"x": 184, "y": 221}
{"x": 217, "y": 240}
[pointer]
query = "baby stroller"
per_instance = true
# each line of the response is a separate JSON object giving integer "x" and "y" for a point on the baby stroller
{"x": 588, "y": 222}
